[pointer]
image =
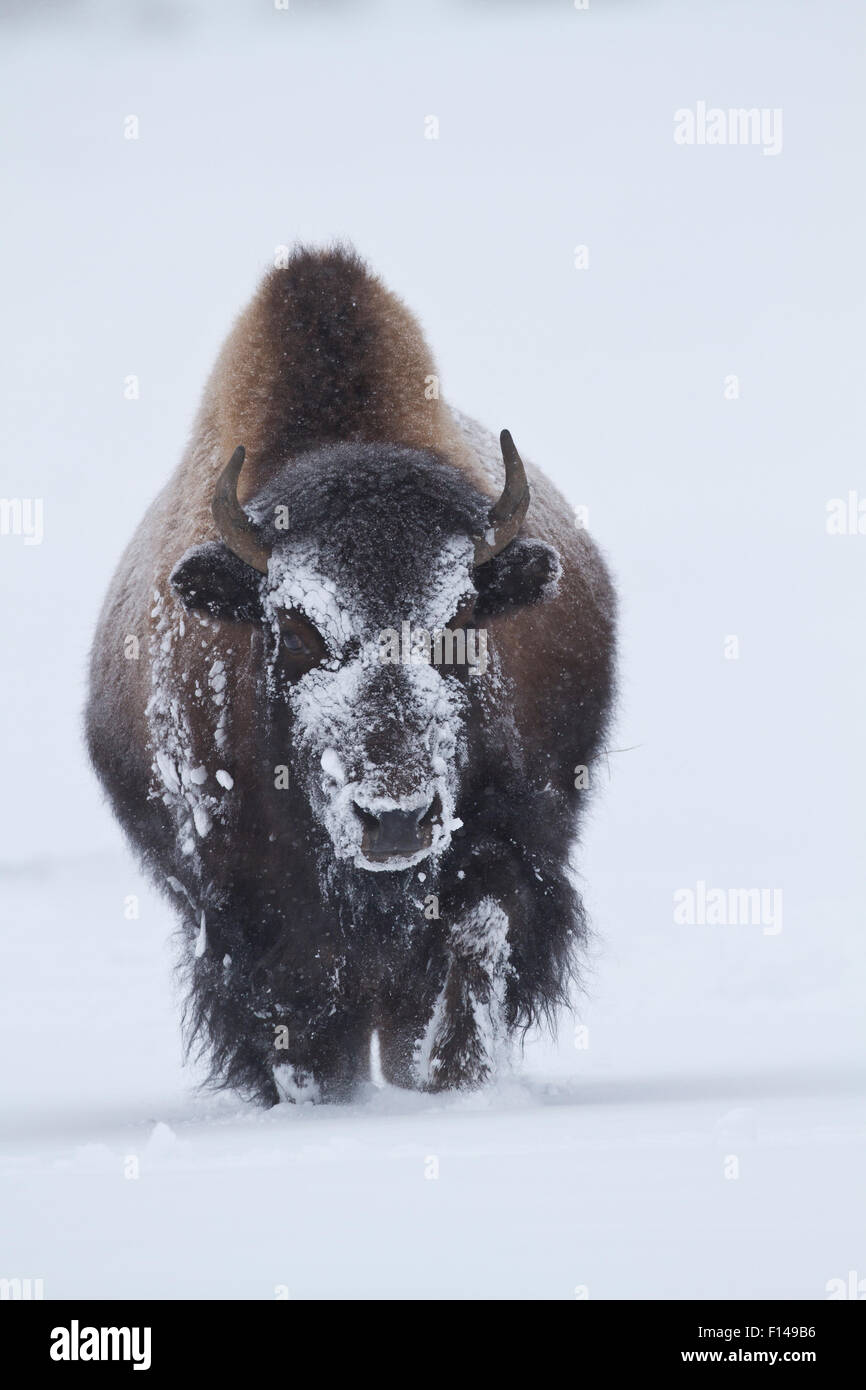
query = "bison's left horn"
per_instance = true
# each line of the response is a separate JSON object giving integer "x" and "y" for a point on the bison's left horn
{"x": 233, "y": 524}
{"x": 506, "y": 516}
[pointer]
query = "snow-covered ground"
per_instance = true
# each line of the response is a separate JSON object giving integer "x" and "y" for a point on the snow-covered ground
{"x": 602, "y": 1168}
{"x": 704, "y": 1136}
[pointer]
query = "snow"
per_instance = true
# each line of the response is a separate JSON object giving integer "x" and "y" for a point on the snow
{"x": 297, "y": 583}
{"x": 201, "y": 939}
{"x": 332, "y": 765}
{"x": 598, "y": 1164}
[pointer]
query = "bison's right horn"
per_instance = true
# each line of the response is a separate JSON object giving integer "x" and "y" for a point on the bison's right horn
{"x": 233, "y": 524}
{"x": 506, "y": 515}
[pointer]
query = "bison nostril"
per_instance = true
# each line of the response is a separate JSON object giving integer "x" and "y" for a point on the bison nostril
{"x": 433, "y": 814}
{"x": 367, "y": 819}
{"x": 397, "y": 834}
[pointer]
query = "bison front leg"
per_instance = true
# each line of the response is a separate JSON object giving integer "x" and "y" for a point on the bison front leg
{"x": 276, "y": 1034}
{"x": 322, "y": 1060}
{"x": 458, "y": 1039}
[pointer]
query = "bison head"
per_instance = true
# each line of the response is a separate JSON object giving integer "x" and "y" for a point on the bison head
{"x": 368, "y": 570}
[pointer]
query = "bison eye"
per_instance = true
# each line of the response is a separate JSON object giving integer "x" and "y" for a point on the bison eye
{"x": 303, "y": 646}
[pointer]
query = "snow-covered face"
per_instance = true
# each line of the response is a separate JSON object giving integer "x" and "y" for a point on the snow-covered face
{"x": 378, "y": 729}
{"x": 371, "y": 564}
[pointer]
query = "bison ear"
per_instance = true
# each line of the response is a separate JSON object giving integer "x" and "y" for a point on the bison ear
{"x": 525, "y": 572}
{"x": 211, "y": 579}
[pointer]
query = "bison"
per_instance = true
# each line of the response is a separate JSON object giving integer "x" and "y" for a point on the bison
{"x": 345, "y": 691}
